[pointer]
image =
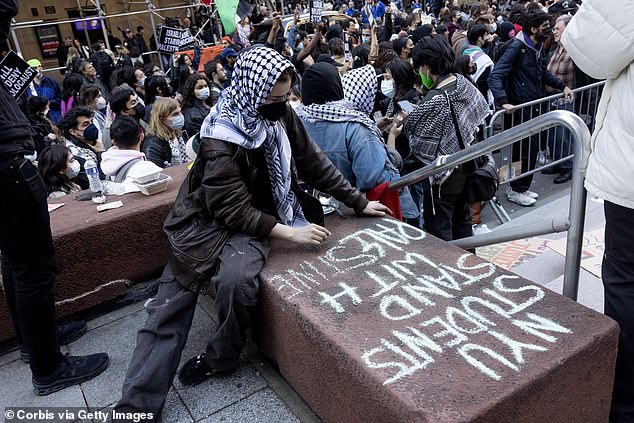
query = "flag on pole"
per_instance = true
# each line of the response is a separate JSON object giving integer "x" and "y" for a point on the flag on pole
{"x": 227, "y": 12}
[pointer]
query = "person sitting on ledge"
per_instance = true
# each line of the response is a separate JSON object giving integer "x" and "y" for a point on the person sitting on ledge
{"x": 57, "y": 167}
{"x": 241, "y": 191}
{"x": 124, "y": 160}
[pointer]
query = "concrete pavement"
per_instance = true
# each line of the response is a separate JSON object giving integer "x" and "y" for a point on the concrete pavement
{"x": 255, "y": 393}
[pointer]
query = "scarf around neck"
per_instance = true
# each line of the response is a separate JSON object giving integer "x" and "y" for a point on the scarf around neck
{"x": 235, "y": 119}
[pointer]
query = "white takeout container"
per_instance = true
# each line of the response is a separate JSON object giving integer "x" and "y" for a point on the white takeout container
{"x": 156, "y": 186}
{"x": 144, "y": 172}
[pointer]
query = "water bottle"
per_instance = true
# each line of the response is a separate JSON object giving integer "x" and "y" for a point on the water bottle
{"x": 92, "y": 172}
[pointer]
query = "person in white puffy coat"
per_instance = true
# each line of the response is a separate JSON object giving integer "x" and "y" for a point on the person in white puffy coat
{"x": 600, "y": 40}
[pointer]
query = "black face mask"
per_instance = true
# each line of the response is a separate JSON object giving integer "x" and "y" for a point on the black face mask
{"x": 274, "y": 111}
{"x": 546, "y": 34}
{"x": 91, "y": 133}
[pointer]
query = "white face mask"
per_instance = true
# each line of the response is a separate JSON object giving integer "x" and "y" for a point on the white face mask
{"x": 494, "y": 27}
{"x": 203, "y": 93}
{"x": 73, "y": 170}
{"x": 387, "y": 88}
{"x": 101, "y": 103}
{"x": 295, "y": 104}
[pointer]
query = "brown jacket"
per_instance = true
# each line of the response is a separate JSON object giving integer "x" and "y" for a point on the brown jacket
{"x": 228, "y": 191}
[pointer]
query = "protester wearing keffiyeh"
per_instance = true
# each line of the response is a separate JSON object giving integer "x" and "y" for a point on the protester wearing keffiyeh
{"x": 430, "y": 127}
{"x": 360, "y": 154}
{"x": 359, "y": 86}
{"x": 235, "y": 119}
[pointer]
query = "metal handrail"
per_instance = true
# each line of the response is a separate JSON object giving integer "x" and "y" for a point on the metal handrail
{"x": 576, "y": 213}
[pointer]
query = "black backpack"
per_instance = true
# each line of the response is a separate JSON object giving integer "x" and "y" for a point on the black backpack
{"x": 501, "y": 49}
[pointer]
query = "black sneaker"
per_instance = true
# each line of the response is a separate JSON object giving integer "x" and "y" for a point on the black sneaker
{"x": 196, "y": 371}
{"x": 71, "y": 371}
{"x": 563, "y": 178}
{"x": 66, "y": 333}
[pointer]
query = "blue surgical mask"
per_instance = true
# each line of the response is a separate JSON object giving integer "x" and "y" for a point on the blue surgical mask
{"x": 177, "y": 122}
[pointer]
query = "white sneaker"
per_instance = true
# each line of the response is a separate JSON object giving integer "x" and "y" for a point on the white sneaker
{"x": 531, "y": 194}
{"x": 520, "y": 198}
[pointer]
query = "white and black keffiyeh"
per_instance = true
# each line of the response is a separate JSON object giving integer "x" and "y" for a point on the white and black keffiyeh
{"x": 341, "y": 111}
{"x": 337, "y": 111}
{"x": 235, "y": 119}
{"x": 430, "y": 127}
{"x": 359, "y": 87}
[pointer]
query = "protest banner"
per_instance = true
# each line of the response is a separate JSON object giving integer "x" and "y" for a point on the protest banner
{"x": 16, "y": 74}
{"x": 172, "y": 40}
{"x": 316, "y": 8}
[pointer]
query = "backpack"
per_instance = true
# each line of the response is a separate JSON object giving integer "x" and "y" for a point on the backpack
{"x": 501, "y": 49}
{"x": 500, "y": 52}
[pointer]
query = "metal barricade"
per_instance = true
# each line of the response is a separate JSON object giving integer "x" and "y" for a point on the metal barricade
{"x": 543, "y": 149}
{"x": 546, "y": 148}
{"x": 580, "y": 134}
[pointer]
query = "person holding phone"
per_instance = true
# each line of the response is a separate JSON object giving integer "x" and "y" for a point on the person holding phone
{"x": 398, "y": 87}
{"x": 350, "y": 139}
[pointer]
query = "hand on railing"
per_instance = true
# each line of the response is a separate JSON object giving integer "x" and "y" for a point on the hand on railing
{"x": 509, "y": 108}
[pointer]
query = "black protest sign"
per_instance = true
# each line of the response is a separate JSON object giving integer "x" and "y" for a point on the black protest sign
{"x": 187, "y": 39}
{"x": 172, "y": 40}
{"x": 316, "y": 8}
{"x": 16, "y": 74}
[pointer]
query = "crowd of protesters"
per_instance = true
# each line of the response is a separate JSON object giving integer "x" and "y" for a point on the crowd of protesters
{"x": 383, "y": 88}
{"x": 385, "y": 56}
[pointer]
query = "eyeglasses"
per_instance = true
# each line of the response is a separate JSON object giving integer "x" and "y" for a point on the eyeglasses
{"x": 278, "y": 99}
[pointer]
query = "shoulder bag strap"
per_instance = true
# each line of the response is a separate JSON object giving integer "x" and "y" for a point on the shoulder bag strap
{"x": 455, "y": 122}
{"x": 123, "y": 171}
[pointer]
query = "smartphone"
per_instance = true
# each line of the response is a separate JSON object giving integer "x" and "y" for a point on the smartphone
{"x": 406, "y": 106}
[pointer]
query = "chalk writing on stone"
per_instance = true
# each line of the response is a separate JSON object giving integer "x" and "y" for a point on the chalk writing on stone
{"x": 491, "y": 327}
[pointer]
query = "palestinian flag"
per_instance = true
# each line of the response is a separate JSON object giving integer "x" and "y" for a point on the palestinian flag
{"x": 228, "y": 9}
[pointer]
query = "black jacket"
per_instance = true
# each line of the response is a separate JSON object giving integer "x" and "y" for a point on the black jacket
{"x": 104, "y": 65}
{"x": 521, "y": 74}
{"x": 194, "y": 117}
{"x": 15, "y": 137}
{"x": 157, "y": 150}
{"x": 228, "y": 191}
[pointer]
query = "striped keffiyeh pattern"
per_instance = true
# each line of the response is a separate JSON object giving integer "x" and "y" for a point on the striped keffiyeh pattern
{"x": 235, "y": 119}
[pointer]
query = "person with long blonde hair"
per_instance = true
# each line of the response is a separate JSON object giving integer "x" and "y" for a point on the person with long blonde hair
{"x": 73, "y": 54}
{"x": 164, "y": 145}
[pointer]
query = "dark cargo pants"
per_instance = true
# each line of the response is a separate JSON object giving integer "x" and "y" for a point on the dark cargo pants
{"x": 161, "y": 342}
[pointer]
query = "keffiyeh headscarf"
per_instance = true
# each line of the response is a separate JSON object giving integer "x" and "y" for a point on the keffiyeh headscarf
{"x": 322, "y": 95}
{"x": 359, "y": 86}
{"x": 235, "y": 119}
